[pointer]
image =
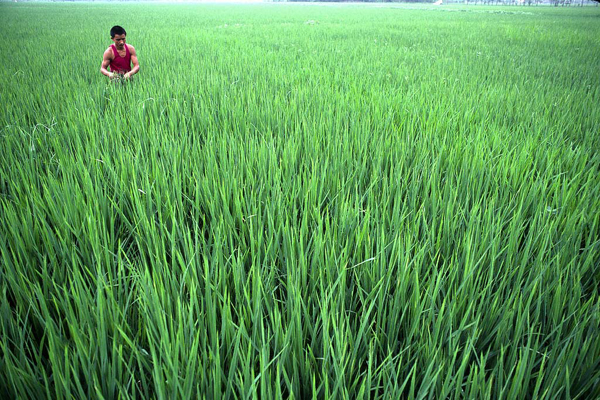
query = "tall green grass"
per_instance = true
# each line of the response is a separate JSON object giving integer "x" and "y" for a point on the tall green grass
{"x": 385, "y": 203}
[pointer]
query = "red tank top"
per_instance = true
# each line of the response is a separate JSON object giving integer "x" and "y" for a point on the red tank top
{"x": 120, "y": 64}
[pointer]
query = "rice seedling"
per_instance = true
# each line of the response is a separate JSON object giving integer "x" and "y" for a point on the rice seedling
{"x": 392, "y": 202}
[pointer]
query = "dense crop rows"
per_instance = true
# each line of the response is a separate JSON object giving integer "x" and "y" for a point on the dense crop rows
{"x": 300, "y": 201}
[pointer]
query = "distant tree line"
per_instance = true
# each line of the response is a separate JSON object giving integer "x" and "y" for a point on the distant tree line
{"x": 486, "y": 2}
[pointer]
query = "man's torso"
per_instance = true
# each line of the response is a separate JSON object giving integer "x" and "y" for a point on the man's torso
{"x": 120, "y": 59}
{"x": 121, "y": 53}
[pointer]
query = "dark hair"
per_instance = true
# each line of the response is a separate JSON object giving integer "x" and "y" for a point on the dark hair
{"x": 117, "y": 30}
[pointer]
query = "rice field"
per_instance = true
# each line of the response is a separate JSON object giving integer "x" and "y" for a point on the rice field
{"x": 300, "y": 201}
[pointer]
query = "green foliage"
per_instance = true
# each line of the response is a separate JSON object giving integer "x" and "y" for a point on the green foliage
{"x": 300, "y": 202}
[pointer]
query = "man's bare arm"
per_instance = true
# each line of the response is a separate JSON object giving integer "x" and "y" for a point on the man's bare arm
{"x": 134, "y": 60}
{"x": 106, "y": 59}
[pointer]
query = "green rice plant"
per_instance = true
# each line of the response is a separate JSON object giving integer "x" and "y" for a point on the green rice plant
{"x": 294, "y": 201}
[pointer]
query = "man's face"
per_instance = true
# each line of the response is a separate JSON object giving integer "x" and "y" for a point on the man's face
{"x": 119, "y": 41}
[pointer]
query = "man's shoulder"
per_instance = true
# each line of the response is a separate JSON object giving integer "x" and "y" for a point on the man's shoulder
{"x": 130, "y": 47}
{"x": 108, "y": 51}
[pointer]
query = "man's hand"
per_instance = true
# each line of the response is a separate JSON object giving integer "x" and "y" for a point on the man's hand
{"x": 127, "y": 75}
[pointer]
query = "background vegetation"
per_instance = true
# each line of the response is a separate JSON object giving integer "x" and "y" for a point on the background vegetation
{"x": 300, "y": 202}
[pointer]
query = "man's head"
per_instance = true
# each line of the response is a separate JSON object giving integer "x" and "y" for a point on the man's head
{"x": 117, "y": 34}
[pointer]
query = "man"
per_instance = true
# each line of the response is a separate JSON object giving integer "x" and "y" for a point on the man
{"x": 119, "y": 56}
